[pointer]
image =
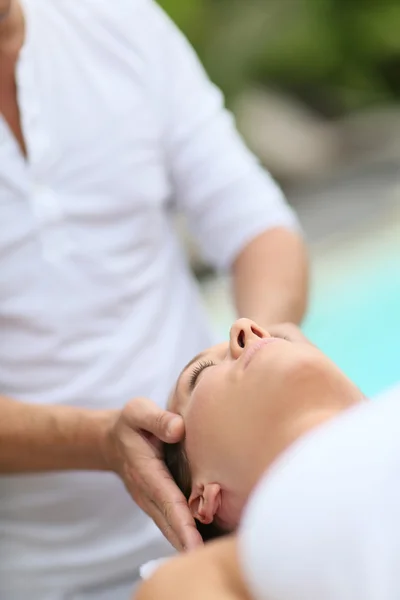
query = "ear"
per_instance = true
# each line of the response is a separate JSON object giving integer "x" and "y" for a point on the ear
{"x": 205, "y": 502}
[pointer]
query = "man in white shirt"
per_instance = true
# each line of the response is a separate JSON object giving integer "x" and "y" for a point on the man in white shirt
{"x": 107, "y": 123}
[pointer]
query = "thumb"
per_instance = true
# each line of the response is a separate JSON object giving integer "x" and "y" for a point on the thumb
{"x": 144, "y": 414}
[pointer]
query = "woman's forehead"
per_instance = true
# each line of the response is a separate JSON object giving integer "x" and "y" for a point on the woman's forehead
{"x": 219, "y": 350}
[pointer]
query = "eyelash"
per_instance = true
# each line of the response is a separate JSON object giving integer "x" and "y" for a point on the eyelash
{"x": 197, "y": 370}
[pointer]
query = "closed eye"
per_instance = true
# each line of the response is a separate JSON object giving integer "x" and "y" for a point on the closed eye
{"x": 199, "y": 368}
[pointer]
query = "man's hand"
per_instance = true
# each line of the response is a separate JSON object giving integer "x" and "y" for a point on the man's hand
{"x": 270, "y": 278}
{"x": 134, "y": 453}
{"x": 289, "y": 331}
{"x": 46, "y": 438}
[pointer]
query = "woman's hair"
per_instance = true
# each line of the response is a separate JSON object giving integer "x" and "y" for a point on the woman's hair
{"x": 178, "y": 465}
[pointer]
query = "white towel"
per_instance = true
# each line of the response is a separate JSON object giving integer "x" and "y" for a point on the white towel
{"x": 149, "y": 568}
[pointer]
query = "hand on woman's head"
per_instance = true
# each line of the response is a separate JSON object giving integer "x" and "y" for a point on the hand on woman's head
{"x": 289, "y": 332}
{"x": 243, "y": 403}
{"x": 177, "y": 463}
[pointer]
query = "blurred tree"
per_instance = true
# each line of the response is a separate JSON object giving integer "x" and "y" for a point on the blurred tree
{"x": 337, "y": 55}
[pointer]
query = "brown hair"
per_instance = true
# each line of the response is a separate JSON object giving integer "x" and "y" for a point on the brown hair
{"x": 178, "y": 465}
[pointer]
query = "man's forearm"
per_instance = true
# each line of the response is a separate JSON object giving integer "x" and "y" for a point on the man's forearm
{"x": 52, "y": 438}
{"x": 271, "y": 278}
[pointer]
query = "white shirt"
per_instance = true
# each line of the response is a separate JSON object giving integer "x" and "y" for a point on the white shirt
{"x": 97, "y": 303}
{"x": 325, "y": 522}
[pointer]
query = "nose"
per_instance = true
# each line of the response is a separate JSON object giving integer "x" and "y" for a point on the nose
{"x": 244, "y": 332}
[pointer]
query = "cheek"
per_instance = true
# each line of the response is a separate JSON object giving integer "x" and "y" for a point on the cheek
{"x": 282, "y": 378}
{"x": 205, "y": 415}
{"x": 204, "y": 402}
{"x": 306, "y": 372}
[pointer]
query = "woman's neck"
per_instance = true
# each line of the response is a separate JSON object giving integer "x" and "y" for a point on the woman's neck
{"x": 286, "y": 434}
{"x": 259, "y": 450}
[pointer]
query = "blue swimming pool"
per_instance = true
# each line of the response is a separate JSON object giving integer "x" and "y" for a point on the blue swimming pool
{"x": 355, "y": 314}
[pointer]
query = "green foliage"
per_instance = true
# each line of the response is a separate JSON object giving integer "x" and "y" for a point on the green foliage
{"x": 335, "y": 54}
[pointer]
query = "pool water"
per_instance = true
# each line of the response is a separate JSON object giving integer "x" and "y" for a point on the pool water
{"x": 355, "y": 313}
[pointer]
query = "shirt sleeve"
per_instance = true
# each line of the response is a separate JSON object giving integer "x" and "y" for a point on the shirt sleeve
{"x": 325, "y": 522}
{"x": 227, "y": 197}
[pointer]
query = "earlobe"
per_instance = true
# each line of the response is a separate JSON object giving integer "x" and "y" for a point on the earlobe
{"x": 205, "y": 502}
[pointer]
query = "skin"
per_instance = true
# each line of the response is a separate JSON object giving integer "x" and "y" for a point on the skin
{"x": 5, "y": 6}
{"x": 212, "y": 572}
{"x": 270, "y": 291}
{"x": 43, "y": 438}
{"x": 12, "y": 34}
{"x": 35, "y": 438}
{"x": 239, "y": 418}
{"x": 247, "y": 407}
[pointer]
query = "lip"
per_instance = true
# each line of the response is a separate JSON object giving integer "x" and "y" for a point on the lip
{"x": 254, "y": 348}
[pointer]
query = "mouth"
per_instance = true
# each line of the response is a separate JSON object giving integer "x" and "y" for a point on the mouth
{"x": 254, "y": 348}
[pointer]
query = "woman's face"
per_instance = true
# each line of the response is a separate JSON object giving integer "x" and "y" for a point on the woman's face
{"x": 242, "y": 396}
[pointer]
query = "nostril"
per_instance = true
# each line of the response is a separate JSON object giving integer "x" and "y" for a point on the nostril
{"x": 240, "y": 339}
{"x": 256, "y": 331}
